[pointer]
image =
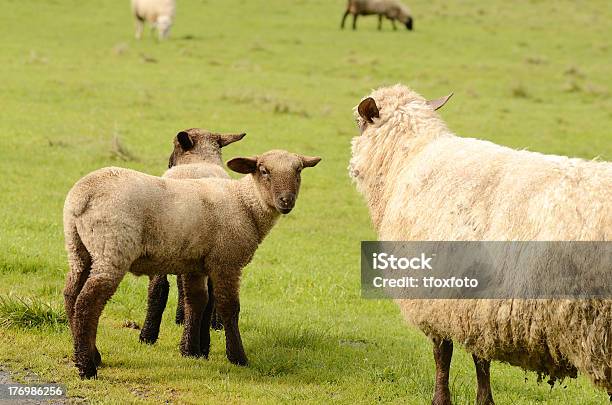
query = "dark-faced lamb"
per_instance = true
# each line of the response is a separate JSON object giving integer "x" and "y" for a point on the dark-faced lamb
{"x": 119, "y": 220}
{"x": 196, "y": 154}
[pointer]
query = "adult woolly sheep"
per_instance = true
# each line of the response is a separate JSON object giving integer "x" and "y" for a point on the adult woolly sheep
{"x": 421, "y": 182}
{"x": 196, "y": 154}
{"x": 391, "y": 9}
{"x": 120, "y": 220}
{"x": 159, "y": 13}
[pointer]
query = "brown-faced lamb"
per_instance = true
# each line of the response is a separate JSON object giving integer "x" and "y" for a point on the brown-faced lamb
{"x": 158, "y": 13}
{"x": 196, "y": 154}
{"x": 423, "y": 183}
{"x": 119, "y": 220}
{"x": 391, "y": 9}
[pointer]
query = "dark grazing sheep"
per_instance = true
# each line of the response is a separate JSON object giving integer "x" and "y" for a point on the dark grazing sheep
{"x": 391, "y": 9}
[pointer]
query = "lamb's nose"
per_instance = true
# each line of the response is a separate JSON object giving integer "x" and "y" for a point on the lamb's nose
{"x": 287, "y": 200}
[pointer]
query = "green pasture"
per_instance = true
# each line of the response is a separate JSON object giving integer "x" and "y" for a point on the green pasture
{"x": 77, "y": 93}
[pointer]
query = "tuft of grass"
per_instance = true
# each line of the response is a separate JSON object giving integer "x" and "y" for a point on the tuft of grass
{"x": 120, "y": 152}
{"x": 30, "y": 313}
{"x": 520, "y": 91}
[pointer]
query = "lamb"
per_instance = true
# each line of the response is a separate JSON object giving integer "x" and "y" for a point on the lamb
{"x": 417, "y": 177}
{"x": 119, "y": 220}
{"x": 391, "y": 9}
{"x": 159, "y": 13}
{"x": 196, "y": 154}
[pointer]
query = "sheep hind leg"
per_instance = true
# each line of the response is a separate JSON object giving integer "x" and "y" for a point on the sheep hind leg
{"x": 79, "y": 261}
{"x": 484, "y": 396}
{"x": 215, "y": 319}
{"x": 98, "y": 289}
{"x": 157, "y": 298}
{"x": 443, "y": 353}
{"x": 196, "y": 298}
{"x": 179, "y": 318}
{"x": 355, "y": 21}
{"x": 380, "y": 18}
{"x": 209, "y": 311}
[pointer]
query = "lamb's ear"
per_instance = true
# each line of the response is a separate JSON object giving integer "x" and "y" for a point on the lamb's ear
{"x": 226, "y": 139}
{"x": 368, "y": 110}
{"x": 439, "y": 102}
{"x": 310, "y": 161}
{"x": 244, "y": 165}
{"x": 184, "y": 140}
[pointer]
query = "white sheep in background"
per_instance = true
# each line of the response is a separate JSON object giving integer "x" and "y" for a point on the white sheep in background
{"x": 159, "y": 13}
{"x": 423, "y": 183}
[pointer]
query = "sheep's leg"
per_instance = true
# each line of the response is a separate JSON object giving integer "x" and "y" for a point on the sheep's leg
{"x": 196, "y": 297}
{"x": 156, "y": 304}
{"x": 162, "y": 33}
{"x": 443, "y": 353}
{"x": 354, "y": 21}
{"x": 180, "y": 303}
{"x": 227, "y": 302}
{"x": 206, "y": 321}
{"x": 393, "y": 24}
{"x": 139, "y": 27}
{"x": 484, "y": 396}
{"x": 380, "y": 18}
{"x": 98, "y": 288}
{"x": 79, "y": 261}
{"x": 346, "y": 13}
{"x": 215, "y": 319}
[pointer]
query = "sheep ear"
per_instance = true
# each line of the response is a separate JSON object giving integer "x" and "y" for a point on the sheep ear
{"x": 226, "y": 139}
{"x": 184, "y": 140}
{"x": 244, "y": 165}
{"x": 439, "y": 102}
{"x": 368, "y": 110}
{"x": 310, "y": 161}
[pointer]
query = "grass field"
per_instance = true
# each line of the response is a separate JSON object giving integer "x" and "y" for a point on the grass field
{"x": 78, "y": 93}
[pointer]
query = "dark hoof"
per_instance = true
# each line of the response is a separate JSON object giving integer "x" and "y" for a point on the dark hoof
{"x": 239, "y": 360}
{"x": 147, "y": 337}
{"x": 185, "y": 352}
{"x": 441, "y": 400}
{"x": 97, "y": 358}
{"x": 87, "y": 371}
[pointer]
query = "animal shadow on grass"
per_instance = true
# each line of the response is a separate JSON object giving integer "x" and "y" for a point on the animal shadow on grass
{"x": 187, "y": 37}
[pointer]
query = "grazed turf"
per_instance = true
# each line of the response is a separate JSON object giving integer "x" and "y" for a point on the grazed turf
{"x": 77, "y": 93}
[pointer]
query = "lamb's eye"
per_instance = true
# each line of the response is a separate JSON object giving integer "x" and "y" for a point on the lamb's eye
{"x": 264, "y": 172}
